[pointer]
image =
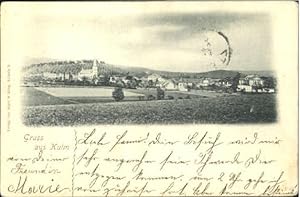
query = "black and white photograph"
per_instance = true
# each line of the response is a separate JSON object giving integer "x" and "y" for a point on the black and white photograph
{"x": 130, "y": 65}
{"x": 149, "y": 98}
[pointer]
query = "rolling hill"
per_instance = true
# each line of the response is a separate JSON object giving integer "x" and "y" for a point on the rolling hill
{"x": 76, "y": 66}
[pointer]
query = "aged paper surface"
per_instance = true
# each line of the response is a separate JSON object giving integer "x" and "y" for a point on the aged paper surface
{"x": 149, "y": 99}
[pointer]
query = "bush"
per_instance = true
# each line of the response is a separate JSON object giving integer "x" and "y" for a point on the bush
{"x": 141, "y": 98}
{"x": 150, "y": 97}
{"x": 188, "y": 97}
{"x": 160, "y": 94}
{"x": 170, "y": 97}
{"x": 118, "y": 94}
{"x": 180, "y": 97}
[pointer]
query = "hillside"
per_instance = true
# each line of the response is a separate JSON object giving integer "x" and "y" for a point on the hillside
{"x": 70, "y": 67}
{"x": 218, "y": 74}
{"x": 75, "y": 66}
{"x": 265, "y": 73}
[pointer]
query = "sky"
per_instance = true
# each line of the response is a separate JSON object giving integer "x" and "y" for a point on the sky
{"x": 163, "y": 36}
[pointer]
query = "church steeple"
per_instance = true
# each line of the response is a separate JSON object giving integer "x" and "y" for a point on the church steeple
{"x": 95, "y": 68}
{"x": 95, "y": 62}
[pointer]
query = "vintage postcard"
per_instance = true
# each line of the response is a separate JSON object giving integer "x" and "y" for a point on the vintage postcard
{"x": 147, "y": 98}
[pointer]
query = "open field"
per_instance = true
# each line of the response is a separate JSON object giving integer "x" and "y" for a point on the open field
{"x": 35, "y": 96}
{"x": 175, "y": 94}
{"x": 251, "y": 108}
{"x": 83, "y": 92}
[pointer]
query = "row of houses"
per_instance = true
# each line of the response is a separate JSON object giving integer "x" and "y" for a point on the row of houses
{"x": 255, "y": 83}
{"x": 250, "y": 83}
{"x": 187, "y": 83}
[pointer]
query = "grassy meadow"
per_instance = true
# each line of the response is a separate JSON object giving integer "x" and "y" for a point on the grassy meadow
{"x": 71, "y": 107}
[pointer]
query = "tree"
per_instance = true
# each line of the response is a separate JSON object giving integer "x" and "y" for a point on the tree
{"x": 104, "y": 80}
{"x": 118, "y": 94}
{"x": 160, "y": 94}
{"x": 120, "y": 83}
{"x": 269, "y": 82}
{"x": 131, "y": 84}
{"x": 150, "y": 83}
{"x": 150, "y": 97}
{"x": 235, "y": 82}
{"x": 85, "y": 80}
{"x": 95, "y": 80}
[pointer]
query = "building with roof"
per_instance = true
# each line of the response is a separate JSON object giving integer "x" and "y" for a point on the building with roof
{"x": 89, "y": 73}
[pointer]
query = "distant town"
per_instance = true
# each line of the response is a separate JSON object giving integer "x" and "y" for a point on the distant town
{"x": 98, "y": 73}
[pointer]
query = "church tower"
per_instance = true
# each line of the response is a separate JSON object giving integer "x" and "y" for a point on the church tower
{"x": 95, "y": 68}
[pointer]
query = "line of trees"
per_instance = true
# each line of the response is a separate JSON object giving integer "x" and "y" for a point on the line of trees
{"x": 118, "y": 95}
